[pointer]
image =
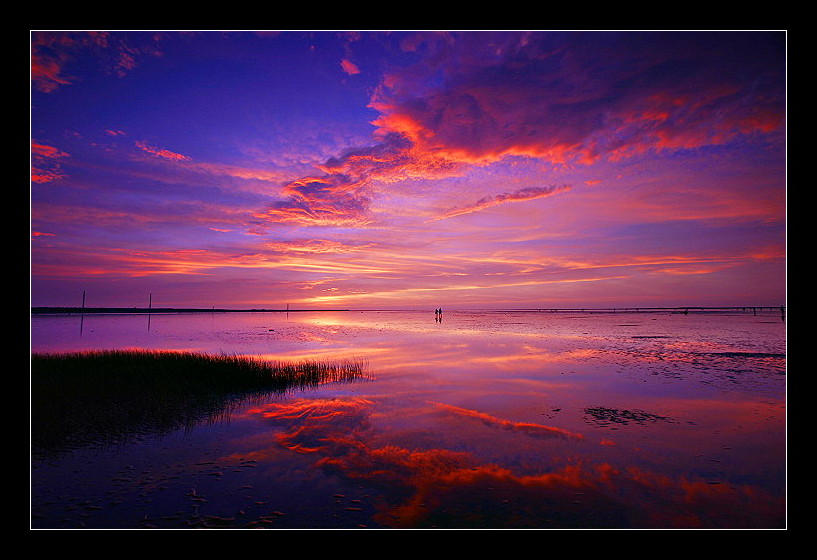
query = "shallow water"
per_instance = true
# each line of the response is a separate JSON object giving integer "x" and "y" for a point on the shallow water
{"x": 482, "y": 420}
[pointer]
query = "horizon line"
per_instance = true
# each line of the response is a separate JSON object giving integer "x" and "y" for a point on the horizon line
{"x": 43, "y": 309}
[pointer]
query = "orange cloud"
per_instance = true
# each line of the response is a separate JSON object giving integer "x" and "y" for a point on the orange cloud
{"x": 316, "y": 246}
{"x": 341, "y": 196}
{"x": 166, "y": 154}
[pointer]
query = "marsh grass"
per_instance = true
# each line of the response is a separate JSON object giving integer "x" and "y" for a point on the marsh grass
{"x": 109, "y": 397}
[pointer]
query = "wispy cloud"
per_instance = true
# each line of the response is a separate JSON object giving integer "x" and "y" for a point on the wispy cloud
{"x": 160, "y": 152}
{"x": 528, "y": 193}
{"x": 316, "y": 246}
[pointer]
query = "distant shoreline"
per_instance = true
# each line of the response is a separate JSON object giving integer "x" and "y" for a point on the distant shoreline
{"x": 142, "y": 310}
{"x": 158, "y": 310}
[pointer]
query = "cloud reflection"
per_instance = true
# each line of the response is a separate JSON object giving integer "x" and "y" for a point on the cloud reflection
{"x": 527, "y": 428}
{"x": 439, "y": 487}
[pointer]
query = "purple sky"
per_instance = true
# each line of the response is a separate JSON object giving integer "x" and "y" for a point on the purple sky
{"x": 408, "y": 169}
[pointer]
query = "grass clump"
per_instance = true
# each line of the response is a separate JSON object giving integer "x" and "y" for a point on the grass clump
{"x": 120, "y": 369}
{"x": 104, "y": 397}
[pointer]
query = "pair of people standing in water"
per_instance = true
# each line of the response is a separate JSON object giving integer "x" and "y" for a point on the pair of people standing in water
{"x": 438, "y": 315}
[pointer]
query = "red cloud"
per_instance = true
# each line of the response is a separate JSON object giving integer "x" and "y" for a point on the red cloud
{"x": 44, "y": 164}
{"x": 52, "y": 52}
{"x": 349, "y": 67}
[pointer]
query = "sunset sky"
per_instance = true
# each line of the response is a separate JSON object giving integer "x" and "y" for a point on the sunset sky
{"x": 378, "y": 169}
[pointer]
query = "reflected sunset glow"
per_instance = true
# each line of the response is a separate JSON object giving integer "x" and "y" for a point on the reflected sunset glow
{"x": 478, "y": 419}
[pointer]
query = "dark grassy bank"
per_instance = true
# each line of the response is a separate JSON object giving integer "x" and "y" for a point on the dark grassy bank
{"x": 107, "y": 397}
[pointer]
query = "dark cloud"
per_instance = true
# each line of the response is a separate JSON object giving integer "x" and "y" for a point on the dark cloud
{"x": 54, "y": 54}
{"x": 579, "y": 96}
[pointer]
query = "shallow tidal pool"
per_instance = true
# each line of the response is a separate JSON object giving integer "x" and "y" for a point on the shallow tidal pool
{"x": 497, "y": 420}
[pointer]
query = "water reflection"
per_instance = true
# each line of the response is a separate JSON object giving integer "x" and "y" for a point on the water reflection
{"x": 441, "y": 487}
{"x": 108, "y": 399}
{"x": 496, "y": 420}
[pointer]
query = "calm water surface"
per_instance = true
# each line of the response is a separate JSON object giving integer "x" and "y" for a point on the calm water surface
{"x": 482, "y": 420}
